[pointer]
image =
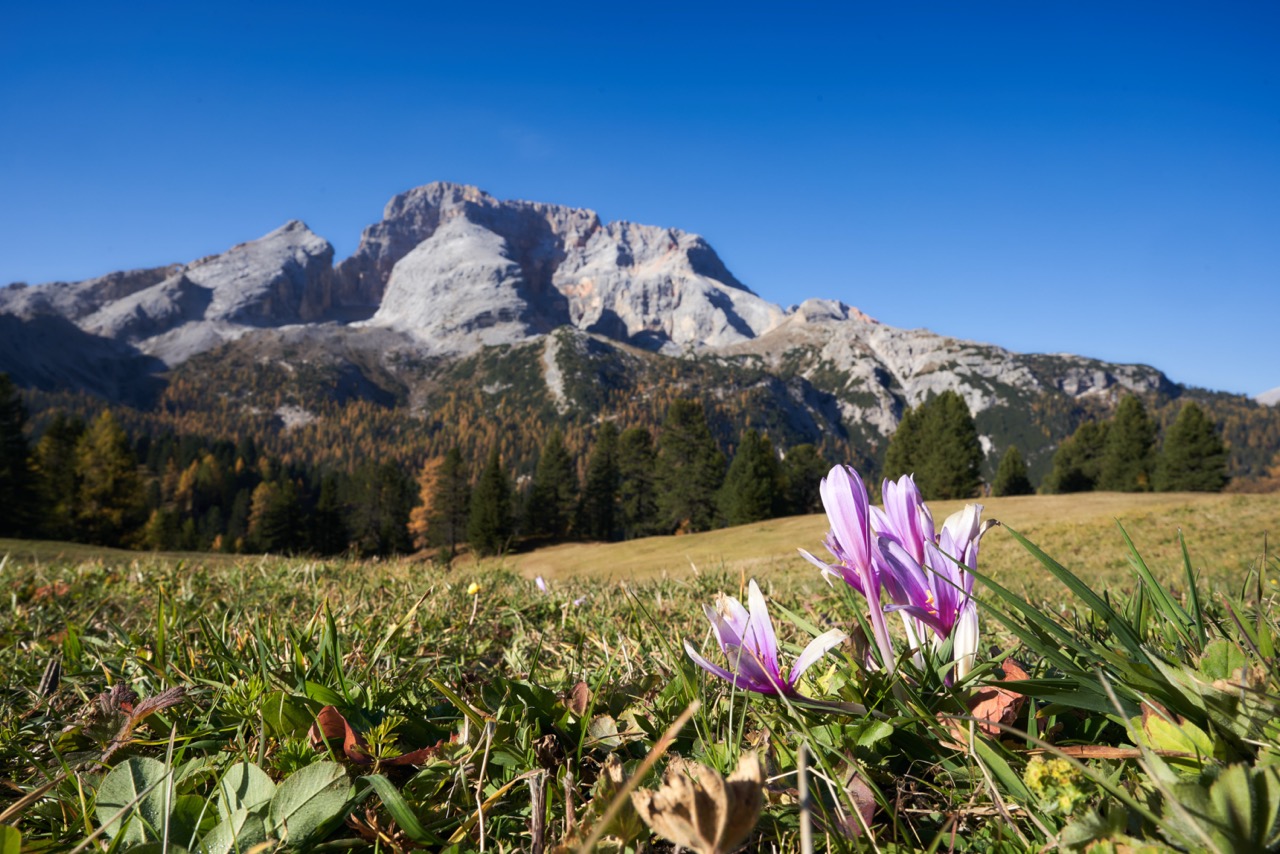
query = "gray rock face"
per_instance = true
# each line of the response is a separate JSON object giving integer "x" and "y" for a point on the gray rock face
{"x": 656, "y": 287}
{"x": 1269, "y": 398}
{"x": 177, "y": 311}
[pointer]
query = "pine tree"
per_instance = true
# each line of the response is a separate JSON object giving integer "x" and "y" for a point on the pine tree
{"x": 906, "y": 450}
{"x": 56, "y": 479}
{"x": 1128, "y": 457}
{"x": 378, "y": 518}
{"x": 637, "y": 488}
{"x": 17, "y": 482}
{"x": 691, "y": 468}
{"x": 752, "y": 489}
{"x": 489, "y": 526}
{"x": 329, "y": 529}
{"x": 598, "y": 515}
{"x": 937, "y": 441}
{"x": 1078, "y": 460}
{"x": 1011, "y": 475}
{"x": 450, "y": 505}
{"x": 553, "y": 497}
{"x": 1193, "y": 458}
{"x": 803, "y": 469}
{"x": 111, "y": 496}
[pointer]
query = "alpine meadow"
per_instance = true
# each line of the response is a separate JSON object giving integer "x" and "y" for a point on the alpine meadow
{"x": 519, "y": 530}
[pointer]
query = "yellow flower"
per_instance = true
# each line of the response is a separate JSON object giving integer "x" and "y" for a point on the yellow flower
{"x": 473, "y": 588}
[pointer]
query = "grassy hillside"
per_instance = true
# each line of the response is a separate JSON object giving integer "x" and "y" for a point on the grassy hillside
{"x": 1225, "y": 536}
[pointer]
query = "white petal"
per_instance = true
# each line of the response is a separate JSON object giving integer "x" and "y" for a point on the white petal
{"x": 965, "y": 639}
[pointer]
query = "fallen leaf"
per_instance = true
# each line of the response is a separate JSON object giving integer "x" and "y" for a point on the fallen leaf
{"x": 330, "y": 725}
{"x": 698, "y": 809}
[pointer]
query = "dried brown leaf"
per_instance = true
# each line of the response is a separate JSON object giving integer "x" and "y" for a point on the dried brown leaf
{"x": 698, "y": 809}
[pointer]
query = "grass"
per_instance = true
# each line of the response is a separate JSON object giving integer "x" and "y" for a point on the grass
{"x": 510, "y": 692}
{"x": 1225, "y": 532}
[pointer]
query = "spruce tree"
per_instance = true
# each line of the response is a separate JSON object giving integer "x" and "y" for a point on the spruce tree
{"x": 598, "y": 515}
{"x": 111, "y": 498}
{"x": 1011, "y": 475}
{"x": 690, "y": 469}
{"x": 56, "y": 479}
{"x": 489, "y": 527}
{"x": 17, "y": 482}
{"x": 1078, "y": 460}
{"x": 553, "y": 497}
{"x": 450, "y": 505}
{"x": 803, "y": 469}
{"x": 1193, "y": 458}
{"x": 329, "y": 526}
{"x": 637, "y": 487}
{"x": 378, "y": 519}
{"x": 906, "y": 450}
{"x": 752, "y": 488}
{"x": 1128, "y": 457}
{"x": 937, "y": 441}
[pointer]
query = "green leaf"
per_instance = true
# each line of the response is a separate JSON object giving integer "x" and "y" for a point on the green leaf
{"x": 237, "y": 832}
{"x": 1222, "y": 660}
{"x": 400, "y": 810}
{"x": 138, "y": 784}
{"x": 324, "y": 695}
{"x": 190, "y": 815}
{"x": 286, "y": 714}
{"x": 244, "y": 786}
{"x": 603, "y": 730}
{"x": 10, "y": 840}
{"x": 308, "y": 802}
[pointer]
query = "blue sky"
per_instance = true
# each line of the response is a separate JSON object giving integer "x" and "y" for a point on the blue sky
{"x": 1097, "y": 178}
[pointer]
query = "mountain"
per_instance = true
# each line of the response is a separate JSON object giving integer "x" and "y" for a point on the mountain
{"x": 1269, "y": 398}
{"x": 456, "y": 295}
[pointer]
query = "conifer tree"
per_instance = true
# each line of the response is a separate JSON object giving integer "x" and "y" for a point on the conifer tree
{"x": 1078, "y": 460}
{"x": 637, "y": 488}
{"x": 450, "y": 505}
{"x": 937, "y": 441}
{"x": 274, "y": 517}
{"x": 690, "y": 469}
{"x": 906, "y": 450}
{"x": 329, "y": 524}
{"x": 803, "y": 469}
{"x": 489, "y": 526}
{"x": 598, "y": 511}
{"x": 752, "y": 488}
{"x": 553, "y": 497}
{"x": 420, "y": 515}
{"x": 111, "y": 497}
{"x": 56, "y": 479}
{"x": 1193, "y": 458}
{"x": 1011, "y": 475}
{"x": 17, "y": 481}
{"x": 1128, "y": 457}
{"x": 378, "y": 518}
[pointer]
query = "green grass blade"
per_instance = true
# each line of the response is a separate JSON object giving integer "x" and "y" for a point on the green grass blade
{"x": 1193, "y": 595}
{"x": 1123, "y": 630}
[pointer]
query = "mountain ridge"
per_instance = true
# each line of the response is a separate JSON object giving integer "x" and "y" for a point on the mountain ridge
{"x": 451, "y": 272}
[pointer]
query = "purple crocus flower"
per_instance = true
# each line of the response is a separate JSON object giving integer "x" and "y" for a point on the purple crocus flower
{"x": 850, "y": 542}
{"x": 747, "y": 638}
{"x": 923, "y": 572}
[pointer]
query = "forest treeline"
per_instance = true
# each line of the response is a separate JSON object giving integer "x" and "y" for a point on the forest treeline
{"x": 101, "y": 479}
{"x": 91, "y": 481}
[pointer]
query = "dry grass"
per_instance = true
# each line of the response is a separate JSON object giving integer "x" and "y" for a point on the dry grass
{"x": 1225, "y": 536}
